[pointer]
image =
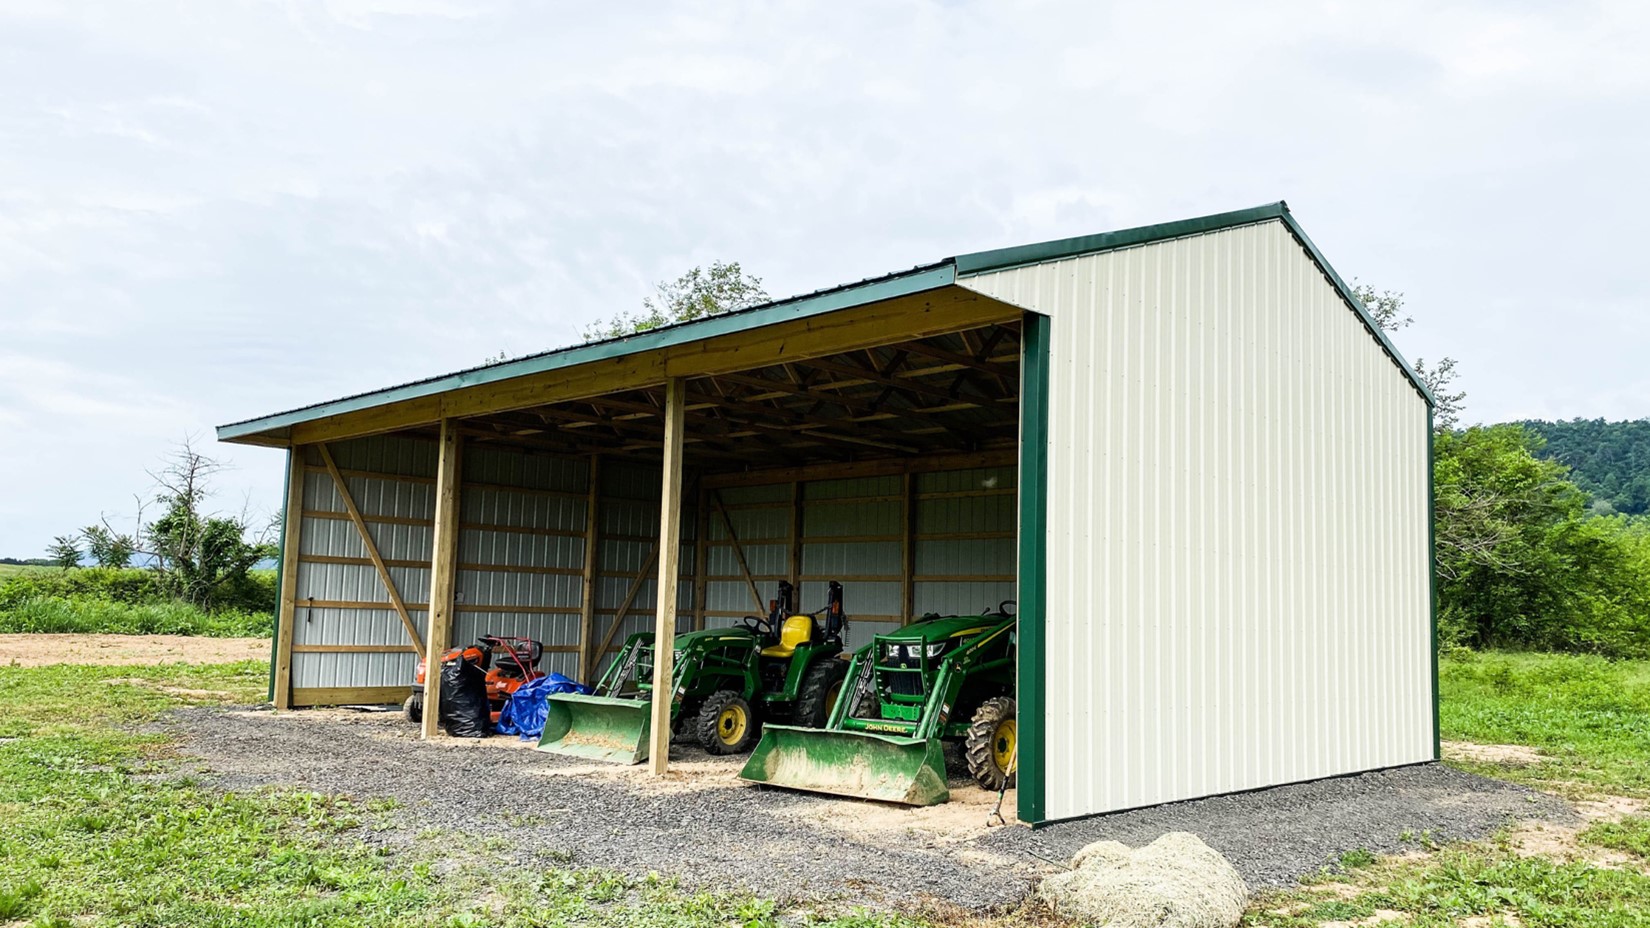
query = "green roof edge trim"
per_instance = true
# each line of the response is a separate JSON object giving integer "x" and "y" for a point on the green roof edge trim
{"x": 1358, "y": 306}
{"x": 917, "y": 280}
{"x": 1002, "y": 259}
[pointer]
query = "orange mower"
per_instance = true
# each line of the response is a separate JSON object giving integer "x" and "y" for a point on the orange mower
{"x": 517, "y": 662}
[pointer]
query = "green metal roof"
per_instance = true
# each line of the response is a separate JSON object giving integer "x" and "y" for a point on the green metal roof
{"x": 904, "y": 283}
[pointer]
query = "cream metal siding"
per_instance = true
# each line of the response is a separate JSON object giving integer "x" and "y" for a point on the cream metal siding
{"x": 1238, "y": 565}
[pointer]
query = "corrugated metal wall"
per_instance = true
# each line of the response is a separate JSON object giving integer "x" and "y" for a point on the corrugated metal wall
{"x": 629, "y": 532}
{"x": 901, "y": 545}
{"x": 1238, "y": 564}
{"x": 521, "y": 558}
{"x": 522, "y": 554}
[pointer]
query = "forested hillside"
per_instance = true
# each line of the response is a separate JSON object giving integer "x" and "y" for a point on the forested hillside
{"x": 1609, "y": 460}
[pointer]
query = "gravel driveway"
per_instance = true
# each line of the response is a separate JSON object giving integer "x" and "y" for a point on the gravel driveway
{"x": 709, "y": 830}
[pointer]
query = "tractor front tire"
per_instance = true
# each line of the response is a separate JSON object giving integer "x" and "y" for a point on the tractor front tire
{"x": 413, "y": 708}
{"x": 991, "y": 746}
{"x": 726, "y": 724}
{"x": 821, "y": 687}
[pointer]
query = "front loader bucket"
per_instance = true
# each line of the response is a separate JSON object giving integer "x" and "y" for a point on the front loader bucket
{"x": 850, "y": 763}
{"x": 597, "y": 727}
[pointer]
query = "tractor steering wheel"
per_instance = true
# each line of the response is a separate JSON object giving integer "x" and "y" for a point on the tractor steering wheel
{"x": 759, "y": 625}
{"x": 1004, "y": 607}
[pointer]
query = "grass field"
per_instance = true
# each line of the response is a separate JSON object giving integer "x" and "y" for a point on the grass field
{"x": 1588, "y": 717}
{"x": 8, "y": 571}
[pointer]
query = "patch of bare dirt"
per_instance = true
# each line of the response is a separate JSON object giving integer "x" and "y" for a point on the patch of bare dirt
{"x": 1511, "y": 755}
{"x": 127, "y": 650}
{"x": 964, "y": 818}
{"x": 1609, "y": 808}
{"x": 1562, "y": 843}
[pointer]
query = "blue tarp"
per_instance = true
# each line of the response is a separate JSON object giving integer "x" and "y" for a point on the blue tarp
{"x": 524, "y": 714}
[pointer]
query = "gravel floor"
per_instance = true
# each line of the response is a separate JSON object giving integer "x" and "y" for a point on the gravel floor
{"x": 704, "y": 827}
{"x": 1275, "y": 836}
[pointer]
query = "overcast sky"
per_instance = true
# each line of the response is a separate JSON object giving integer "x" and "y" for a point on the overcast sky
{"x": 217, "y": 210}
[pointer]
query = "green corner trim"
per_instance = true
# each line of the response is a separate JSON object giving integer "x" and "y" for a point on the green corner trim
{"x": 1032, "y": 568}
{"x": 1432, "y": 585}
{"x": 280, "y": 566}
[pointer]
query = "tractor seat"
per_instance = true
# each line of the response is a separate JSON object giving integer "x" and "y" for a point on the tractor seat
{"x": 797, "y": 631}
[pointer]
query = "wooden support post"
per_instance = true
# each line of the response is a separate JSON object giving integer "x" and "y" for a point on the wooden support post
{"x": 670, "y": 556}
{"x": 908, "y": 552}
{"x": 285, "y": 622}
{"x": 701, "y": 560}
{"x": 443, "y": 570}
{"x": 371, "y": 546}
{"x": 592, "y": 547}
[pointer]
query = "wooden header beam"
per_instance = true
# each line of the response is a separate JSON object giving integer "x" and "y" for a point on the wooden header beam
{"x": 937, "y": 312}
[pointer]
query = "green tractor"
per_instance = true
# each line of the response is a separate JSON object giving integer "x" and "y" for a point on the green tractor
{"x": 939, "y": 678}
{"x": 726, "y": 682}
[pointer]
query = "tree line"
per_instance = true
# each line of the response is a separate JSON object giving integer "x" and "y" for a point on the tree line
{"x": 1610, "y": 461}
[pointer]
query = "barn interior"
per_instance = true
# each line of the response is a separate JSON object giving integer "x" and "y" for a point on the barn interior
{"x": 888, "y": 468}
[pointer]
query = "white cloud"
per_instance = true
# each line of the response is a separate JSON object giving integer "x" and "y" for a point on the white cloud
{"x": 214, "y": 211}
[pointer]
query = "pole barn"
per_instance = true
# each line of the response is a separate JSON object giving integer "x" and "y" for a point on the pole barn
{"x": 1186, "y": 450}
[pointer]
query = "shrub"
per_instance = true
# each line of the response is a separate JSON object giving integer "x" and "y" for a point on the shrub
{"x": 92, "y": 615}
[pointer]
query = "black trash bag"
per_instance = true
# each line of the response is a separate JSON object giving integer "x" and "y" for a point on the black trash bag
{"x": 464, "y": 709}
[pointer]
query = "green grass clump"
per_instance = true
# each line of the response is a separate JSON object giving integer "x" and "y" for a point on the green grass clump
{"x": 1590, "y": 717}
{"x": 1631, "y": 834}
{"x": 95, "y": 616}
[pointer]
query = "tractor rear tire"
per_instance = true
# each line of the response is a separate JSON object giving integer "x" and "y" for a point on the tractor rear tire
{"x": 727, "y": 725}
{"x": 821, "y": 687}
{"x": 991, "y": 744}
{"x": 413, "y": 708}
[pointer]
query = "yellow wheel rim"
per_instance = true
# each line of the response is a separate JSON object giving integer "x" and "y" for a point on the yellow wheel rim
{"x": 831, "y": 696}
{"x": 1002, "y": 743}
{"x": 731, "y": 724}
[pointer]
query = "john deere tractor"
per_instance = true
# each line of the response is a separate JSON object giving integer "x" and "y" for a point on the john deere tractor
{"x": 726, "y": 683}
{"x": 939, "y": 678}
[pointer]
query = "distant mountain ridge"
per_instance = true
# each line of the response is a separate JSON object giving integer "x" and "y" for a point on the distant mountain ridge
{"x": 1609, "y": 460}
